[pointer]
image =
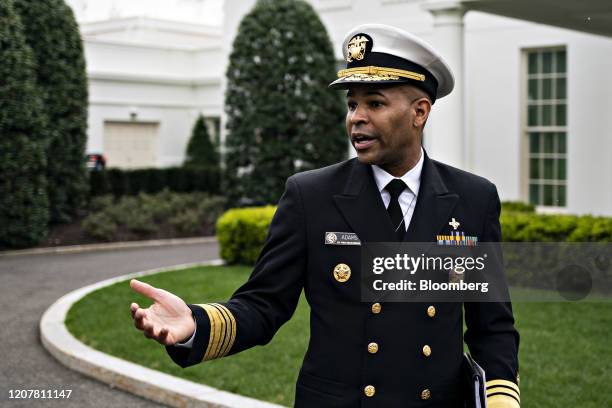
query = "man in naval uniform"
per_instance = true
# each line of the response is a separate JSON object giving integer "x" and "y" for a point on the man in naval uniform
{"x": 392, "y": 354}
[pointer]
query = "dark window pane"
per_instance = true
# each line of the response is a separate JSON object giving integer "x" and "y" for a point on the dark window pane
{"x": 561, "y": 145}
{"x": 549, "y": 142}
{"x": 533, "y": 89}
{"x": 534, "y": 169}
{"x": 547, "y": 88}
{"x": 561, "y": 61}
{"x": 561, "y": 115}
{"x": 561, "y": 199}
{"x": 549, "y": 165}
{"x": 532, "y": 119}
{"x": 534, "y": 143}
{"x": 533, "y": 63}
{"x": 561, "y": 91}
{"x": 546, "y": 115}
{"x": 534, "y": 194}
{"x": 548, "y": 195}
{"x": 547, "y": 62}
{"x": 561, "y": 167}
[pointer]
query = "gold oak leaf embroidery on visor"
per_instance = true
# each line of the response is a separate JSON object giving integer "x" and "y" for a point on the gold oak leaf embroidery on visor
{"x": 380, "y": 73}
{"x": 222, "y": 331}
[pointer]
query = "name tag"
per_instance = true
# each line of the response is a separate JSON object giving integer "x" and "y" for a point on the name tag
{"x": 341, "y": 238}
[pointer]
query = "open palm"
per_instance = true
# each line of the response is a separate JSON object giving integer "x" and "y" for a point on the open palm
{"x": 168, "y": 320}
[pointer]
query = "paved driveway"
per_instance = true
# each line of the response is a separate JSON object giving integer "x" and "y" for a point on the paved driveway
{"x": 30, "y": 283}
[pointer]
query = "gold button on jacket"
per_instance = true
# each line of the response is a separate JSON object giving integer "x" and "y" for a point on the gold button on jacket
{"x": 425, "y": 394}
{"x": 426, "y": 350}
{"x": 369, "y": 391}
{"x": 431, "y": 311}
{"x": 372, "y": 348}
{"x": 376, "y": 308}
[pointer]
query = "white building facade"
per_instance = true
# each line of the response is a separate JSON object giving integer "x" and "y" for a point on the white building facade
{"x": 532, "y": 108}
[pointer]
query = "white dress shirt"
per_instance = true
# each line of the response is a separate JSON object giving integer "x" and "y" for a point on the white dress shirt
{"x": 407, "y": 200}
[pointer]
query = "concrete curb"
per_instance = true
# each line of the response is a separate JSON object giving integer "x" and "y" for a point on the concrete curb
{"x": 130, "y": 377}
{"x": 108, "y": 246}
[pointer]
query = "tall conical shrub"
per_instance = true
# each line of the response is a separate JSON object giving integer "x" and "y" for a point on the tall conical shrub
{"x": 53, "y": 34}
{"x": 281, "y": 117}
{"x": 23, "y": 189}
{"x": 200, "y": 150}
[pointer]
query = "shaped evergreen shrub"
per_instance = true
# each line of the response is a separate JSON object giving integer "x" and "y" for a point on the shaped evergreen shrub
{"x": 281, "y": 117}
{"x": 200, "y": 150}
{"x": 53, "y": 34}
{"x": 23, "y": 188}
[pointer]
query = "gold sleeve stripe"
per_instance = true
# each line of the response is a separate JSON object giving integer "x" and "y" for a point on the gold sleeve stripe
{"x": 502, "y": 401}
{"x": 222, "y": 330}
{"x": 503, "y": 391}
{"x": 372, "y": 70}
{"x": 225, "y": 343}
{"x": 503, "y": 383}
{"x": 230, "y": 330}
{"x": 214, "y": 324}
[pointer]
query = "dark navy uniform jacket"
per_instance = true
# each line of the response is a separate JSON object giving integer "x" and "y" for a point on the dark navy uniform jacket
{"x": 416, "y": 357}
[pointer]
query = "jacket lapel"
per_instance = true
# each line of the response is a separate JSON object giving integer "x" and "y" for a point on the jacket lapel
{"x": 361, "y": 205}
{"x": 433, "y": 207}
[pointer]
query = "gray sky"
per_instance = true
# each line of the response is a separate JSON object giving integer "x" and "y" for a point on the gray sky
{"x": 209, "y": 12}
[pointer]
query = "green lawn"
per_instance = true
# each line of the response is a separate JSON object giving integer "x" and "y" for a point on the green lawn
{"x": 565, "y": 355}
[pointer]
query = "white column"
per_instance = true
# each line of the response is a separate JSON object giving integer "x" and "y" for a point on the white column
{"x": 445, "y": 138}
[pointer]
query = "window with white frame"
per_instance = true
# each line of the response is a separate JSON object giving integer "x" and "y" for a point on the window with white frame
{"x": 546, "y": 126}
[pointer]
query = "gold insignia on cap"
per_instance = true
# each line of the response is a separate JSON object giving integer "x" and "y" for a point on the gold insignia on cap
{"x": 356, "y": 48}
{"x": 342, "y": 272}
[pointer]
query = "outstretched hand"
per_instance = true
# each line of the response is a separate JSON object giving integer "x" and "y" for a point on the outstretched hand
{"x": 168, "y": 320}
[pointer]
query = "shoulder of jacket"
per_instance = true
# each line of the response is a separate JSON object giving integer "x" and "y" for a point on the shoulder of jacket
{"x": 323, "y": 175}
{"x": 462, "y": 179}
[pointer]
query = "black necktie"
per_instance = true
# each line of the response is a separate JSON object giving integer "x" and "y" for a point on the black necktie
{"x": 395, "y": 188}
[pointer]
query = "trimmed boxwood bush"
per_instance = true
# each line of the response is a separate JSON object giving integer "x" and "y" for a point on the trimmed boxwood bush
{"x": 517, "y": 206}
{"x": 241, "y": 233}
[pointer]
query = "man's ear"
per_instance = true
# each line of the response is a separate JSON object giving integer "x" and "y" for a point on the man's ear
{"x": 422, "y": 107}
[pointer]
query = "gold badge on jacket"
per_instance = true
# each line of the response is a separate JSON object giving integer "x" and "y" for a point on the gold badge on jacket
{"x": 342, "y": 272}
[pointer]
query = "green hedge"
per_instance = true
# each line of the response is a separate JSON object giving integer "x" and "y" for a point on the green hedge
{"x": 525, "y": 227}
{"x": 162, "y": 215}
{"x": 517, "y": 206}
{"x": 242, "y": 232}
{"x": 131, "y": 182}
